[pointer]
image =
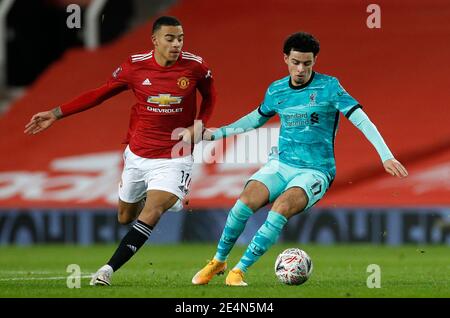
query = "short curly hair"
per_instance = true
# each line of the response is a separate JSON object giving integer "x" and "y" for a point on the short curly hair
{"x": 302, "y": 42}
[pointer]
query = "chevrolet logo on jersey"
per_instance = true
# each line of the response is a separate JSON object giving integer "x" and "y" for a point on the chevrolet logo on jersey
{"x": 164, "y": 100}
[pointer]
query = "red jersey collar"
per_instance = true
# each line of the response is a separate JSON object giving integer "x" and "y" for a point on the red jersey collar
{"x": 152, "y": 52}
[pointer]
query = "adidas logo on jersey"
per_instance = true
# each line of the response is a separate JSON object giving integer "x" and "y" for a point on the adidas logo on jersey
{"x": 146, "y": 82}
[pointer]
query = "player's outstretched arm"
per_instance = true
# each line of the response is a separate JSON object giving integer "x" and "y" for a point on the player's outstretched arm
{"x": 42, "y": 121}
{"x": 390, "y": 164}
{"x": 395, "y": 168}
{"x": 250, "y": 121}
{"x": 92, "y": 98}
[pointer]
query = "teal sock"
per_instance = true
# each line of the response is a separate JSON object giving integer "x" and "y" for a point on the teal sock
{"x": 266, "y": 236}
{"x": 237, "y": 218}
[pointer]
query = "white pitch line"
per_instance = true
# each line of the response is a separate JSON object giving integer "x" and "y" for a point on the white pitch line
{"x": 27, "y": 272}
{"x": 44, "y": 278}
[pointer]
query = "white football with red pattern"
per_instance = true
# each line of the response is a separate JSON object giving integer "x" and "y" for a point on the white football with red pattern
{"x": 293, "y": 266}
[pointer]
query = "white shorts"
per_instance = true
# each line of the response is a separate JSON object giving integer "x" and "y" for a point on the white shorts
{"x": 142, "y": 174}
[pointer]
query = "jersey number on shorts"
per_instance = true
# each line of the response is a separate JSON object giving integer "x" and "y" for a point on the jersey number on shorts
{"x": 316, "y": 187}
{"x": 185, "y": 180}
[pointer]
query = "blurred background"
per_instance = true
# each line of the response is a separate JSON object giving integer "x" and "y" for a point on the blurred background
{"x": 61, "y": 186}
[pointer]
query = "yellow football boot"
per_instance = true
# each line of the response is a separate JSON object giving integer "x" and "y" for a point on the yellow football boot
{"x": 207, "y": 273}
{"x": 235, "y": 278}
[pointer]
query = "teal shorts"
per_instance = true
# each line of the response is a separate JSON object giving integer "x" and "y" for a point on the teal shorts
{"x": 278, "y": 177}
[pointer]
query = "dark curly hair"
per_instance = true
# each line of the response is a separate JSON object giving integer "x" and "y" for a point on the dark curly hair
{"x": 302, "y": 42}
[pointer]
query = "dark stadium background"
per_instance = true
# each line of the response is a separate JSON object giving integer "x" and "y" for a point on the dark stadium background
{"x": 60, "y": 186}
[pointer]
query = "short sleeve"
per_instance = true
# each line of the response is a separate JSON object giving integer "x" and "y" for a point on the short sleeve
{"x": 342, "y": 100}
{"x": 267, "y": 108}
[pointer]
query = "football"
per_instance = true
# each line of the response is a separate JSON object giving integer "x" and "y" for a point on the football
{"x": 293, "y": 266}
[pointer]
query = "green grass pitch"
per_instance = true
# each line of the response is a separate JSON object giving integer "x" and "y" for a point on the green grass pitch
{"x": 166, "y": 271}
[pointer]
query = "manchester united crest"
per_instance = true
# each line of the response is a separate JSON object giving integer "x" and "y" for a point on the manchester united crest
{"x": 183, "y": 82}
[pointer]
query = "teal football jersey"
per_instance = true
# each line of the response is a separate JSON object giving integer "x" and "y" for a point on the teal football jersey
{"x": 309, "y": 116}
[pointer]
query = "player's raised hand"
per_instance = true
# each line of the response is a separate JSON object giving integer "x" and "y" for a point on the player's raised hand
{"x": 395, "y": 168}
{"x": 40, "y": 122}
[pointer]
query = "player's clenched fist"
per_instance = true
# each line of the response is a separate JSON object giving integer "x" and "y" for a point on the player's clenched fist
{"x": 208, "y": 135}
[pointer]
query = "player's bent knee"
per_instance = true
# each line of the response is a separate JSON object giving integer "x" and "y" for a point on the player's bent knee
{"x": 289, "y": 208}
{"x": 126, "y": 215}
{"x": 246, "y": 200}
{"x": 255, "y": 195}
{"x": 252, "y": 203}
{"x": 157, "y": 210}
{"x": 151, "y": 214}
{"x": 281, "y": 207}
{"x": 125, "y": 219}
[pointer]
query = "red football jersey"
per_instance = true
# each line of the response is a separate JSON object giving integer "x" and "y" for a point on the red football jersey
{"x": 166, "y": 100}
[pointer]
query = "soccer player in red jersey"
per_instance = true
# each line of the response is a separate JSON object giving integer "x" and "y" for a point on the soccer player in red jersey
{"x": 157, "y": 172}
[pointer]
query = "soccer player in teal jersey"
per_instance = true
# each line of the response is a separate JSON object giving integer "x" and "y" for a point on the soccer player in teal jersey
{"x": 299, "y": 174}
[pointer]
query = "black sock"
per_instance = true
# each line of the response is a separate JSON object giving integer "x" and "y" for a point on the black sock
{"x": 130, "y": 243}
